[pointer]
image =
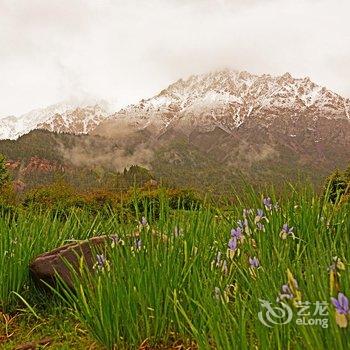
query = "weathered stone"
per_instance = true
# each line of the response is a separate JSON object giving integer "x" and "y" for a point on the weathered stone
{"x": 47, "y": 266}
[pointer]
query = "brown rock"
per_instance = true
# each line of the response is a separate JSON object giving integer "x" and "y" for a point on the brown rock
{"x": 13, "y": 164}
{"x": 19, "y": 186}
{"x": 45, "y": 267}
{"x": 42, "y": 165}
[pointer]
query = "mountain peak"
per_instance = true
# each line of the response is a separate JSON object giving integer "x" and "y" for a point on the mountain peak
{"x": 80, "y": 120}
{"x": 229, "y": 98}
{"x": 224, "y": 98}
{"x": 70, "y": 116}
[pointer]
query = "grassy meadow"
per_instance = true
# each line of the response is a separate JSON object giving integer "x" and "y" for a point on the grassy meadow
{"x": 195, "y": 278}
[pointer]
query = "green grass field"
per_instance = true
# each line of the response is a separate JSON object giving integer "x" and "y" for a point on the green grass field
{"x": 190, "y": 281}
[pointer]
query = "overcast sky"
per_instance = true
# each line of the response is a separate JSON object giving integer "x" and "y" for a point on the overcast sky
{"x": 122, "y": 51}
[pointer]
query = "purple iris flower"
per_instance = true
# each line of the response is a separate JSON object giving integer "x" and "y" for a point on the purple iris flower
{"x": 254, "y": 263}
{"x": 286, "y": 293}
{"x": 115, "y": 240}
{"x": 138, "y": 243}
{"x": 259, "y": 217}
{"x": 260, "y": 213}
{"x": 237, "y": 233}
{"x": 242, "y": 224}
{"x": 101, "y": 260}
{"x": 341, "y": 304}
{"x": 144, "y": 221}
{"x": 267, "y": 203}
{"x": 286, "y": 231}
{"x": 232, "y": 244}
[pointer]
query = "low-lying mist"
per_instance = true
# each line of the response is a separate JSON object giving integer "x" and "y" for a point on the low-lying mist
{"x": 114, "y": 147}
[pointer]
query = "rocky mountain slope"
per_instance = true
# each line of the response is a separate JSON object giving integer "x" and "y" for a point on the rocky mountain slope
{"x": 236, "y": 122}
{"x": 75, "y": 121}
{"x": 71, "y": 117}
{"x": 207, "y": 131}
{"x": 228, "y": 99}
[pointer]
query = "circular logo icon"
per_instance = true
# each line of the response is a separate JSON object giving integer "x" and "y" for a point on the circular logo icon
{"x": 272, "y": 315}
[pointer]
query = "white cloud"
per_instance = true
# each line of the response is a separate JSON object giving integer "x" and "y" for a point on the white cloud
{"x": 124, "y": 51}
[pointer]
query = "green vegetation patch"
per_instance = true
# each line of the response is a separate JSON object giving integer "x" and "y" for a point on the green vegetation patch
{"x": 262, "y": 273}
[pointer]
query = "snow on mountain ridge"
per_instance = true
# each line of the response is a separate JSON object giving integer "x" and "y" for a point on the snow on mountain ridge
{"x": 46, "y": 118}
{"x": 76, "y": 121}
{"x": 227, "y": 98}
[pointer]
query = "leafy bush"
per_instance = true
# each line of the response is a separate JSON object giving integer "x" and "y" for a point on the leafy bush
{"x": 338, "y": 186}
{"x": 62, "y": 197}
{"x": 4, "y": 175}
{"x": 58, "y": 195}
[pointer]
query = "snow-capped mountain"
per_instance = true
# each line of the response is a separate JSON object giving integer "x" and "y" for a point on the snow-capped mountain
{"x": 8, "y": 127}
{"x": 75, "y": 121}
{"x": 203, "y": 129}
{"x": 229, "y": 121}
{"x": 227, "y": 99}
{"x": 224, "y": 99}
{"x": 17, "y": 126}
{"x": 73, "y": 117}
